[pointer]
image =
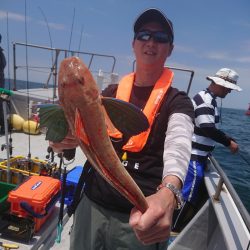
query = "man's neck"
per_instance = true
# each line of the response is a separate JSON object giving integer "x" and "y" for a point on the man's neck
{"x": 212, "y": 90}
{"x": 147, "y": 77}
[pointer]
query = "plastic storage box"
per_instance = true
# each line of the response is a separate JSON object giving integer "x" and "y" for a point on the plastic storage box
{"x": 35, "y": 198}
{"x": 22, "y": 167}
{"x": 71, "y": 183}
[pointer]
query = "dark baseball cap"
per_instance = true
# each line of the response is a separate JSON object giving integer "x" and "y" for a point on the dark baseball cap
{"x": 154, "y": 15}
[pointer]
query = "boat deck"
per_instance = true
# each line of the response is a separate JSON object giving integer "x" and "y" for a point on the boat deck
{"x": 223, "y": 216}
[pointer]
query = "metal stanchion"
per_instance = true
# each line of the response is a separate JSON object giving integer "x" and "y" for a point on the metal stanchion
{"x": 5, "y": 97}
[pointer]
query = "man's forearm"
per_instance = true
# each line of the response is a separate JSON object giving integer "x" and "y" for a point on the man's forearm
{"x": 177, "y": 147}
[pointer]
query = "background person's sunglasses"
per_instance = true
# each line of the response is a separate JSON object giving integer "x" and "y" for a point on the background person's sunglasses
{"x": 158, "y": 36}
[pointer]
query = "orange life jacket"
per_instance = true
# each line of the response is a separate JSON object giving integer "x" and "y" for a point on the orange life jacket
{"x": 137, "y": 142}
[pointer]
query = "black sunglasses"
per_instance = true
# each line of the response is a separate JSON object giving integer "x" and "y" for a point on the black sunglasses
{"x": 158, "y": 36}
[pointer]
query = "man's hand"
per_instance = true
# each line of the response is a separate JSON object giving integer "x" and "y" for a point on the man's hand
{"x": 155, "y": 224}
{"x": 234, "y": 147}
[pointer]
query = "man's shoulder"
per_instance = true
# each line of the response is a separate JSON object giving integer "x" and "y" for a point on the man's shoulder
{"x": 176, "y": 94}
{"x": 176, "y": 91}
{"x": 178, "y": 101}
{"x": 203, "y": 97}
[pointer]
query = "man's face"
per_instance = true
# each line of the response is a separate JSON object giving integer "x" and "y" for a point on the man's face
{"x": 222, "y": 91}
{"x": 151, "y": 52}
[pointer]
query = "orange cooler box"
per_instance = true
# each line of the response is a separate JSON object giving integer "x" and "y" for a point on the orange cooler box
{"x": 35, "y": 198}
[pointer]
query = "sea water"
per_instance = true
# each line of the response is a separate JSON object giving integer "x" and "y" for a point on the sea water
{"x": 236, "y": 124}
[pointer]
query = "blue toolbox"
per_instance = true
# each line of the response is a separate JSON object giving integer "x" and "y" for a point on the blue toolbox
{"x": 71, "y": 183}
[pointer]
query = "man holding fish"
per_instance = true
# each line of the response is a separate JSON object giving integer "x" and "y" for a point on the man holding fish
{"x": 110, "y": 216}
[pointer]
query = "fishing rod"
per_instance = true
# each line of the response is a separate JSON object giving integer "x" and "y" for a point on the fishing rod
{"x": 50, "y": 39}
{"x": 8, "y": 68}
{"x": 71, "y": 31}
{"x": 5, "y": 97}
{"x": 242, "y": 153}
{"x": 27, "y": 79}
{"x": 9, "y": 143}
{"x": 80, "y": 41}
{"x": 220, "y": 114}
{"x": 8, "y": 50}
{"x": 52, "y": 53}
{"x": 244, "y": 158}
{"x": 5, "y": 102}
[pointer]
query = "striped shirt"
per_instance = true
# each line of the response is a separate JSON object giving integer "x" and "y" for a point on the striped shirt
{"x": 206, "y": 117}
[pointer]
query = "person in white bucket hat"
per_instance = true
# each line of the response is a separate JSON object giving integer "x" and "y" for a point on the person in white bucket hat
{"x": 206, "y": 134}
{"x": 227, "y": 78}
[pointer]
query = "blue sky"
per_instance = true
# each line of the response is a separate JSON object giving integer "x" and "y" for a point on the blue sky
{"x": 209, "y": 35}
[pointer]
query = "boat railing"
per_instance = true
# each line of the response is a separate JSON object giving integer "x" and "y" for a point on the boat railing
{"x": 190, "y": 79}
{"x": 191, "y": 72}
{"x": 62, "y": 53}
{"x": 224, "y": 180}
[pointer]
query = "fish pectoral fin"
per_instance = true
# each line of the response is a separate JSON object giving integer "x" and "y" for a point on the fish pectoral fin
{"x": 110, "y": 126}
{"x": 52, "y": 117}
{"x": 126, "y": 117}
{"x": 79, "y": 128}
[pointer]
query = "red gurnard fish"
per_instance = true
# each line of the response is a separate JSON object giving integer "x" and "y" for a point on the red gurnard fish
{"x": 82, "y": 105}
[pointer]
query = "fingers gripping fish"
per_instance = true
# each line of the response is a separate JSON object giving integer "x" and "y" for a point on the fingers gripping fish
{"x": 83, "y": 109}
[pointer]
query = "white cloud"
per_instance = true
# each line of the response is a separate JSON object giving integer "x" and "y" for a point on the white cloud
{"x": 18, "y": 17}
{"x": 21, "y": 18}
{"x": 218, "y": 56}
{"x": 13, "y": 16}
{"x": 184, "y": 49}
{"x": 55, "y": 26}
{"x": 225, "y": 56}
